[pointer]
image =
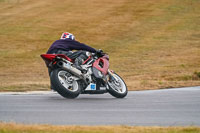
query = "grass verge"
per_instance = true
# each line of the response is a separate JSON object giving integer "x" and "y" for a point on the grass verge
{"x": 18, "y": 128}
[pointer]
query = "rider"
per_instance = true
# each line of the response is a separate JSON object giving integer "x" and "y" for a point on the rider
{"x": 66, "y": 44}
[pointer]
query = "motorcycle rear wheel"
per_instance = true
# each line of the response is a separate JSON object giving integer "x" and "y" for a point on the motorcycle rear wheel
{"x": 62, "y": 85}
{"x": 117, "y": 87}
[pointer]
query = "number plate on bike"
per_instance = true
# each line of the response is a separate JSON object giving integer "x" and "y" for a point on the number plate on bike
{"x": 91, "y": 86}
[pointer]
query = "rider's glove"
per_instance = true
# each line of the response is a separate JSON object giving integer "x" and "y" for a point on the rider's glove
{"x": 99, "y": 53}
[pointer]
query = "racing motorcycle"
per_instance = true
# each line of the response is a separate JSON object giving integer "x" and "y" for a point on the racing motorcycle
{"x": 96, "y": 78}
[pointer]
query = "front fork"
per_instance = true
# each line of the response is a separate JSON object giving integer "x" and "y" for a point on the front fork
{"x": 110, "y": 78}
{"x": 111, "y": 75}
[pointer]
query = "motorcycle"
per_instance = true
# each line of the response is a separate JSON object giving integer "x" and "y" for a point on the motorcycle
{"x": 96, "y": 78}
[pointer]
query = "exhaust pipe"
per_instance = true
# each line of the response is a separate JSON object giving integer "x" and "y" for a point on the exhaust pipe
{"x": 73, "y": 70}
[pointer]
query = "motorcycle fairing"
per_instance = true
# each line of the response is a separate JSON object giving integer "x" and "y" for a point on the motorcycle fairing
{"x": 50, "y": 57}
{"x": 102, "y": 64}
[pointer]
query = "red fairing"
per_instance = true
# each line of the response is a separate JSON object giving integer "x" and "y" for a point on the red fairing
{"x": 104, "y": 68}
{"x": 50, "y": 57}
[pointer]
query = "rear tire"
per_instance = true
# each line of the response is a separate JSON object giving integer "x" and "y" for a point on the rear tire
{"x": 61, "y": 85}
{"x": 117, "y": 88}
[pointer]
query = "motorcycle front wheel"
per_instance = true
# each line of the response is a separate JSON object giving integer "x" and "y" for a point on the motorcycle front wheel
{"x": 64, "y": 83}
{"x": 117, "y": 86}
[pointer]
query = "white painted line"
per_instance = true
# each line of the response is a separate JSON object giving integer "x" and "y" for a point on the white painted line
{"x": 28, "y": 93}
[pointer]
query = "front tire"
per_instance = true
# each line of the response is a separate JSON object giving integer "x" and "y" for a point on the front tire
{"x": 65, "y": 85}
{"x": 117, "y": 86}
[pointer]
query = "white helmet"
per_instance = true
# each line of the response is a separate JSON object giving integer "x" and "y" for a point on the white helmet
{"x": 67, "y": 35}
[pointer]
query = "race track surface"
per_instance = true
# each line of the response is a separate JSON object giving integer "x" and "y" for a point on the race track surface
{"x": 168, "y": 107}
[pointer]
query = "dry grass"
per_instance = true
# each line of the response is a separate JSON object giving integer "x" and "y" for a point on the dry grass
{"x": 18, "y": 128}
{"x": 152, "y": 43}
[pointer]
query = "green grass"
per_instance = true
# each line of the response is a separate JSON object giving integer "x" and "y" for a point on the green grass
{"x": 17, "y": 128}
{"x": 152, "y": 44}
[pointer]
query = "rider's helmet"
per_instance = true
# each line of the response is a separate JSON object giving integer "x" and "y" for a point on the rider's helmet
{"x": 67, "y": 35}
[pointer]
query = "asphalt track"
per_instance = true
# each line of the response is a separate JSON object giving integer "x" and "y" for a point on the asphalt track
{"x": 168, "y": 107}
